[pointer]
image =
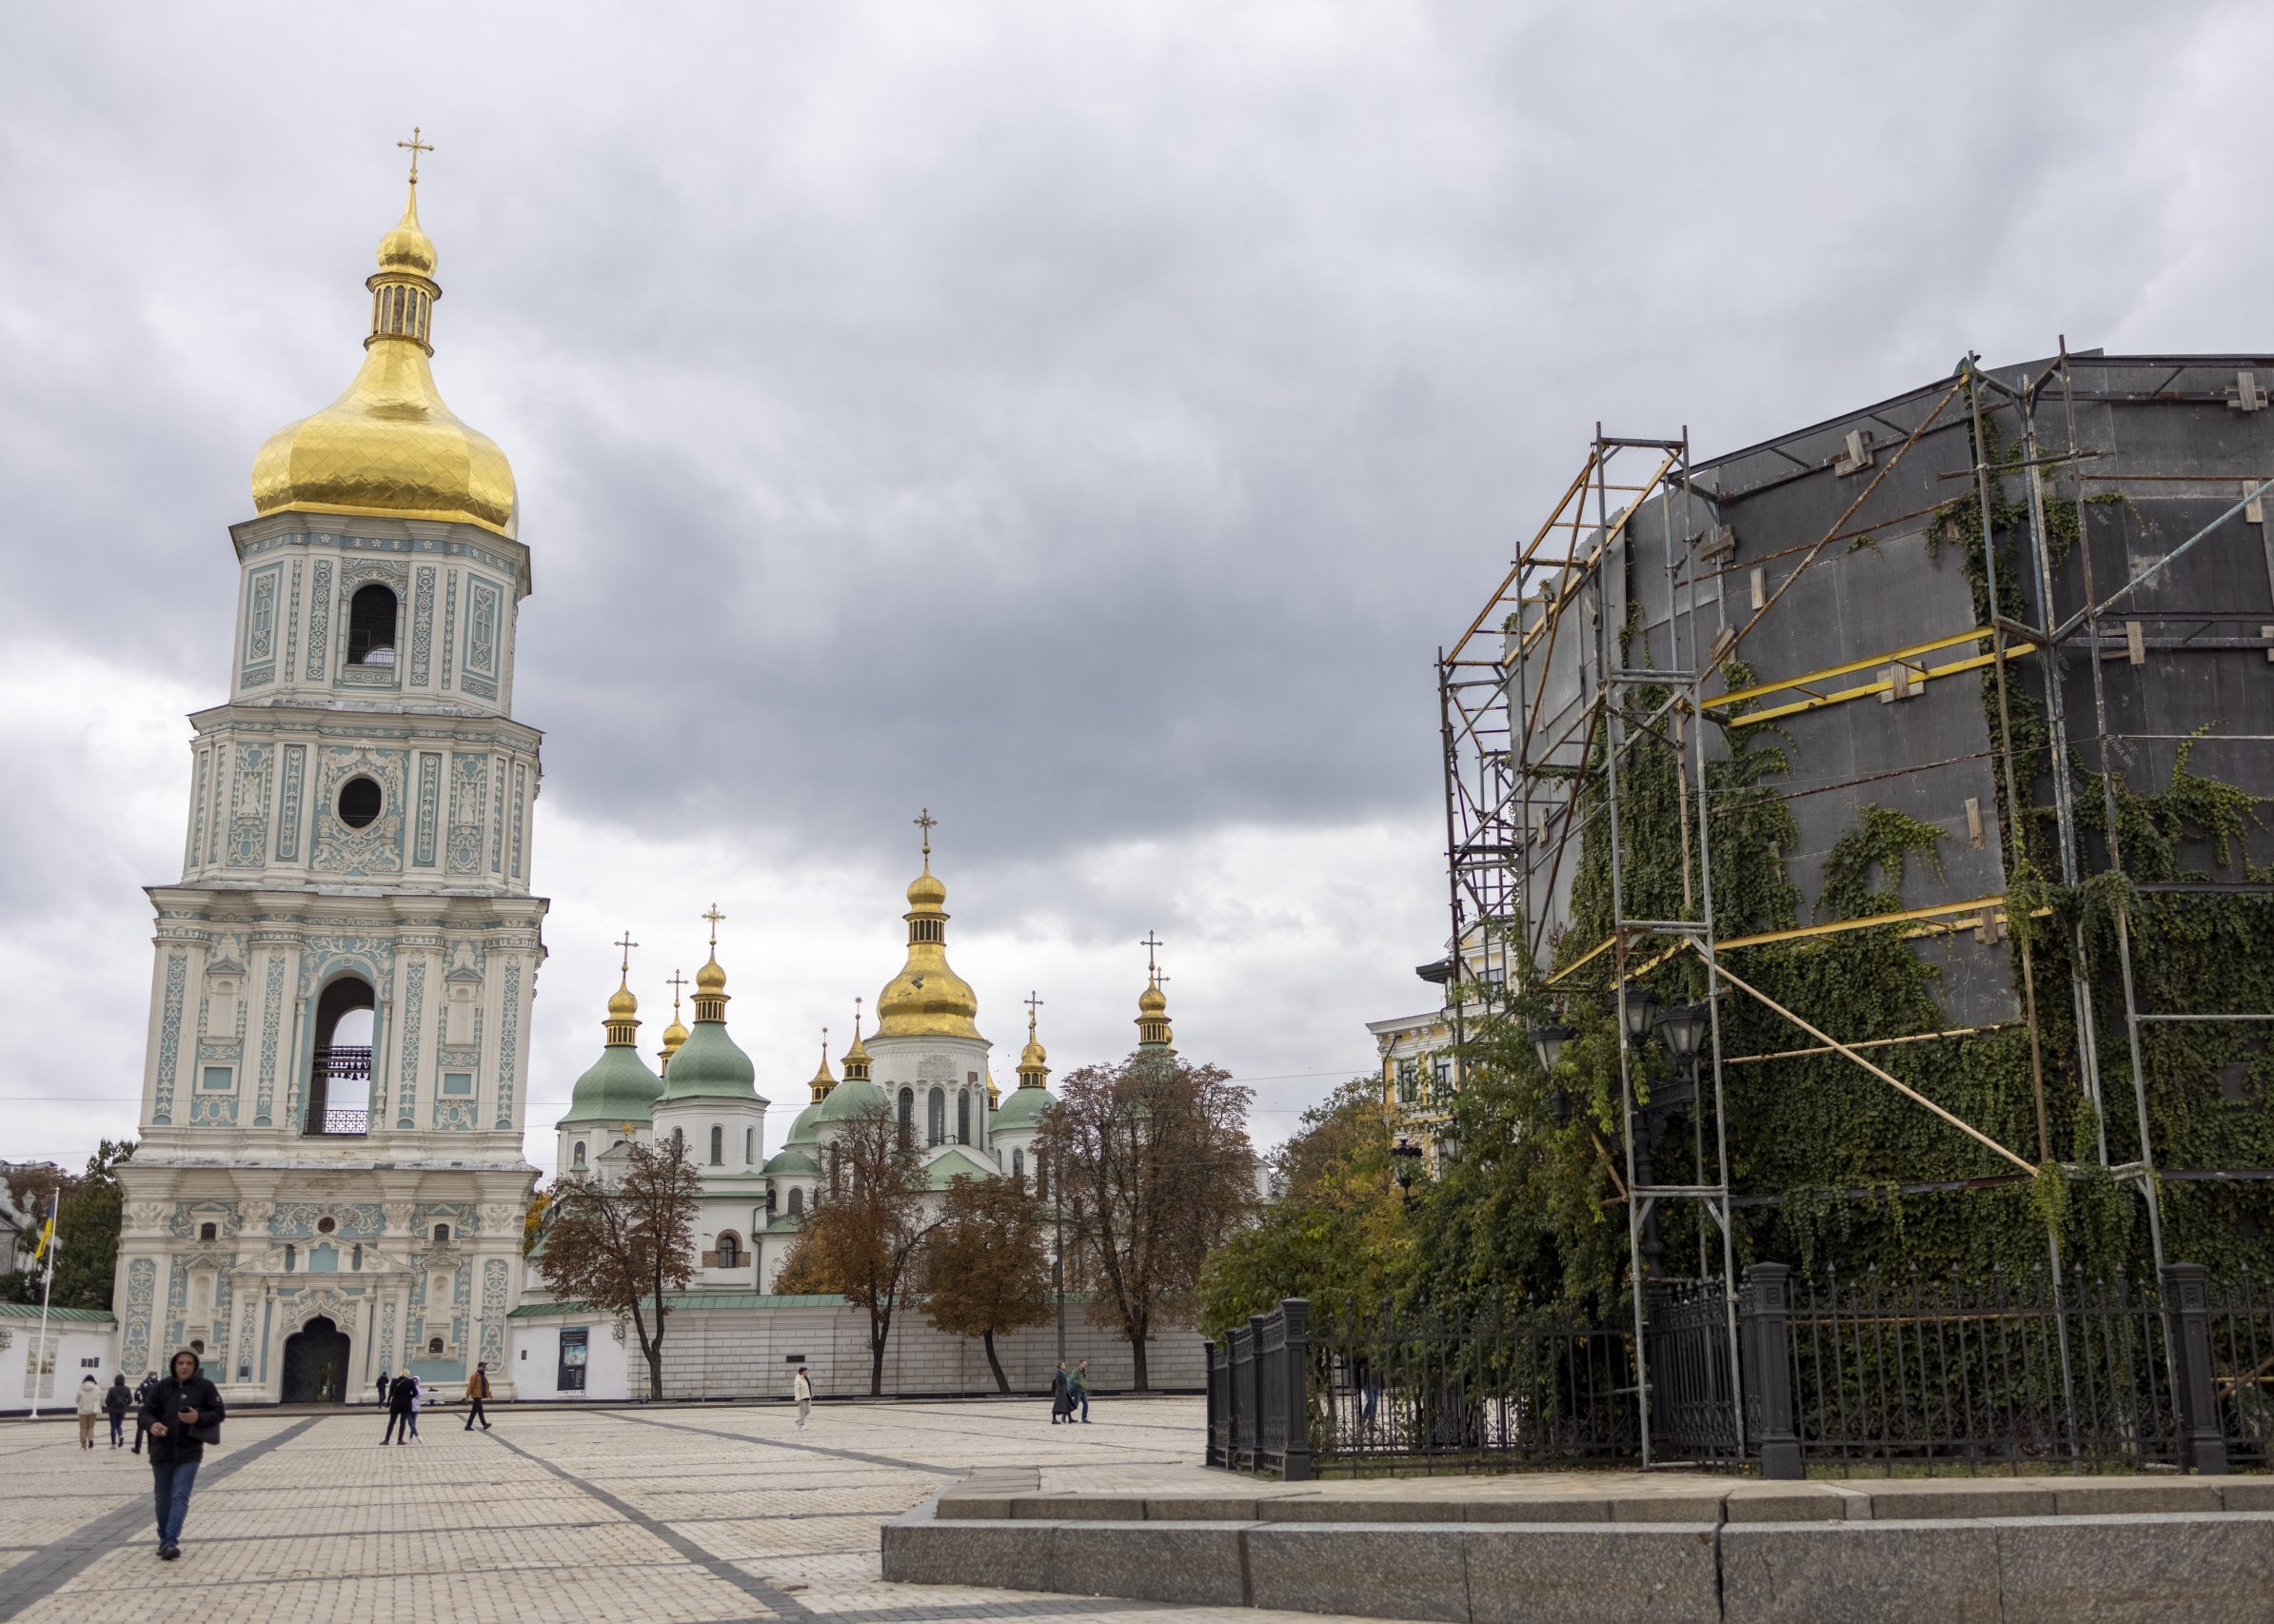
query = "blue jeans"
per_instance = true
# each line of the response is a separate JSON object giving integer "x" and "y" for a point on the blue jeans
{"x": 118, "y": 1428}
{"x": 1082, "y": 1397}
{"x": 173, "y": 1480}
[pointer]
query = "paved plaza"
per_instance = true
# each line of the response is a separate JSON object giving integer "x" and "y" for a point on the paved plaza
{"x": 694, "y": 1513}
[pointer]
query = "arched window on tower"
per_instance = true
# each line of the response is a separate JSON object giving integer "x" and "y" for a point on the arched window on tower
{"x": 730, "y": 1250}
{"x": 797, "y": 1202}
{"x": 749, "y": 1147}
{"x": 718, "y": 1145}
{"x": 1017, "y": 1164}
{"x": 371, "y": 627}
{"x": 936, "y": 1117}
{"x": 577, "y": 1158}
{"x": 963, "y": 1115}
{"x": 837, "y": 1163}
{"x": 907, "y": 1116}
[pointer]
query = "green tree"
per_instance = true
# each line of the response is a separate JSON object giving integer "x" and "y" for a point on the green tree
{"x": 87, "y": 1231}
{"x": 620, "y": 1245}
{"x": 1336, "y": 1227}
{"x": 986, "y": 1270}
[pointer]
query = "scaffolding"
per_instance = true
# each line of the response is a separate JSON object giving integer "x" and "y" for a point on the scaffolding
{"x": 1544, "y": 706}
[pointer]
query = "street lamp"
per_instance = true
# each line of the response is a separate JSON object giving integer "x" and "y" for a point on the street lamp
{"x": 1404, "y": 1153}
{"x": 1682, "y": 1028}
{"x": 1641, "y": 1004}
{"x": 1548, "y": 1043}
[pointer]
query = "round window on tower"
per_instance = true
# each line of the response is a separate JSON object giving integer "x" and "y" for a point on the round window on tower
{"x": 326, "y": 1225}
{"x": 359, "y": 802}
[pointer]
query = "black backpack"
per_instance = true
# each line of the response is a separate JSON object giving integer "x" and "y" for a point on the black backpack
{"x": 398, "y": 1395}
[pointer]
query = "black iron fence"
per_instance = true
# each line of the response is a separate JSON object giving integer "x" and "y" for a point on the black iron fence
{"x": 340, "y": 1073}
{"x": 2011, "y": 1374}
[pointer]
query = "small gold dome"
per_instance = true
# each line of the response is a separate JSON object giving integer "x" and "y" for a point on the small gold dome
{"x": 407, "y": 249}
{"x": 710, "y": 979}
{"x": 622, "y": 1003}
{"x": 1152, "y": 1000}
{"x": 673, "y": 1034}
{"x": 925, "y": 891}
{"x": 389, "y": 446}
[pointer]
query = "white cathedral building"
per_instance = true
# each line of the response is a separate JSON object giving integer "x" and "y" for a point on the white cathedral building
{"x": 330, "y": 1180}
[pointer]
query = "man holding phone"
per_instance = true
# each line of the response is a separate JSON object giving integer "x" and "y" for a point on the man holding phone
{"x": 184, "y": 1415}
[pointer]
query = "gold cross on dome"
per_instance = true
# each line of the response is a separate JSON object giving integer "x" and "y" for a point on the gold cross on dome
{"x": 415, "y": 147}
{"x": 1148, "y": 944}
{"x": 625, "y": 942}
{"x": 675, "y": 982}
{"x": 713, "y": 914}
{"x": 927, "y": 823}
{"x": 856, "y": 1020}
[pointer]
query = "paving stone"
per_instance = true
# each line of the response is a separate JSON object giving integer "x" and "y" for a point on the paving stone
{"x": 1384, "y": 1570}
{"x": 1550, "y": 1573}
{"x": 2087, "y": 1497}
{"x": 1776, "y": 1502}
{"x": 1934, "y": 1499}
{"x": 1860, "y": 1572}
{"x": 1540, "y": 1509}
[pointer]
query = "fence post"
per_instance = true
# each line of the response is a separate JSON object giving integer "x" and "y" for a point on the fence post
{"x": 1216, "y": 1404}
{"x": 1251, "y": 1401}
{"x": 1295, "y": 1314}
{"x": 2186, "y": 1307}
{"x": 1764, "y": 1307}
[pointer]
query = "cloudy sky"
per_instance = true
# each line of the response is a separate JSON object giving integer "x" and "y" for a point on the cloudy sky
{"x": 1084, "y": 420}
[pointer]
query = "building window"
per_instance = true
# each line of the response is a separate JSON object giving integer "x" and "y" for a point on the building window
{"x": 797, "y": 1202}
{"x": 907, "y": 1116}
{"x": 290, "y": 1257}
{"x": 837, "y": 1163}
{"x": 355, "y": 1260}
{"x": 434, "y": 1346}
{"x": 1409, "y": 1082}
{"x": 371, "y": 627}
{"x": 1017, "y": 1164}
{"x": 718, "y": 1145}
{"x": 360, "y": 802}
{"x": 327, "y": 1224}
{"x": 442, "y": 1235}
{"x": 1440, "y": 1080}
{"x": 217, "y": 1078}
{"x": 749, "y": 1147}
{"x": 730, "y": 1252}
{"x": 936, "y": 1117}
{"x": 963, "y": 1115}
{"x": 678, "y": 1142}
{"x": 458, "y": 1083}
{"x": 209, "y": 1232}
{"x": 576, "y": 1156}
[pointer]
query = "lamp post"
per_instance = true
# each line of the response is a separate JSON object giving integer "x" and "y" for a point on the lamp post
{"x": 1058, "y": 1246}
{"x": 1404, "y": 1153}
{"x": 1548, "y": 1043}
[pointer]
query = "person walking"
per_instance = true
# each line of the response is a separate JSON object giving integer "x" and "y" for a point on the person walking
{"x": 477, "y": 1389}
{"x": 142, "y": 1394}
{"x": 1081, "y": 1389}
{"x": 91, "y": 1406}
{"x": 118, "y": 1400}
{"x": 1061, "y": 1395}
{"x": 383, "y": 1390}
{"x": 801, "y": 1390}
{"x": 184, "y": 1415}
{"x": 418, "y": 1395}
{"x": 398, "y": 1410}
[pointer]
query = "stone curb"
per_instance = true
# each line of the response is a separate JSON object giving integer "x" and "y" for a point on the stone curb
{"x": 2141, "y": 1566}
{"x": 1014, "y": 1495}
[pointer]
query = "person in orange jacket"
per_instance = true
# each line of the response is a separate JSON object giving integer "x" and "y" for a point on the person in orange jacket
{"x": 477, "y": 1389}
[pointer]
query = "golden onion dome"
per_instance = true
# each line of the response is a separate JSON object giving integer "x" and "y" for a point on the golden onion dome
{"x": 622, "y": 1002}
{"x": 389, "y": 446}
{"x": 927, "y": 998}
{"x": 710, "y": 979}
{"x": 673, "y": 1034}
{"x": 1152, "y": 1000}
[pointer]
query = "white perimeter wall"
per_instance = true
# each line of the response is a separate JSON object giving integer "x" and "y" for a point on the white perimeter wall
{"x": 75, "y": 1343}
{"x": 745, "y": 1353}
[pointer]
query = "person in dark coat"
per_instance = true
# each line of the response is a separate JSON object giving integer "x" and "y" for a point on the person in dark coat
{"x": 1061, "y": 1395}
{"x": 382, "y": 1384}
{"x": 142, "y": 1392}
{"x": 118, "y": 1400}
{"x": 184, "y": 1415}
{"x": 398, "y": 1410}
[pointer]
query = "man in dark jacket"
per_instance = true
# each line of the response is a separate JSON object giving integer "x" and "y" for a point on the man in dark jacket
{"x": 398, "y": 1410}
{"x": 184, "y": 1415}
{"x": 1061, "y": 1395}
{"x": 142, "y": 1391}
{"x": 117, "y": 1402}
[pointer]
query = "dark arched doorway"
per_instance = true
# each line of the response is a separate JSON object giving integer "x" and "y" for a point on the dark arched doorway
{"x": 316, "y": 1364}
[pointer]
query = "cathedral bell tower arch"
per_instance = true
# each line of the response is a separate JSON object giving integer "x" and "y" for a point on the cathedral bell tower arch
{"x": 344, "y": 973}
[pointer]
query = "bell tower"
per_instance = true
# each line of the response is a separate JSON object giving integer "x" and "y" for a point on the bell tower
{"x": 333, "y": 1096}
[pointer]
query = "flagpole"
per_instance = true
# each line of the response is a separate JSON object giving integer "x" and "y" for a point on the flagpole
{"x": 46, "y": 1289}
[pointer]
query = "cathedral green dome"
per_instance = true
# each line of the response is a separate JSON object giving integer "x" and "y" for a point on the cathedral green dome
{"x": 1022, "y": 1109}
{"x": 802, "y": 1130}
{"x": 618, "y": 1089}
{"x": 708, "y": 1065}
{"x": 854, "y": 1098}
{"x": 792, "y": 1162}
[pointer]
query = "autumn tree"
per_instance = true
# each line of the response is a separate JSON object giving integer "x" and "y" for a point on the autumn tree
{"x": 618, "y": 1245}
{"x": 1151, "y": 1170}
{"x": 986, "y": 1268}
{"x": 866, "y": 1227}
{"x": 1336, "y": 1227}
